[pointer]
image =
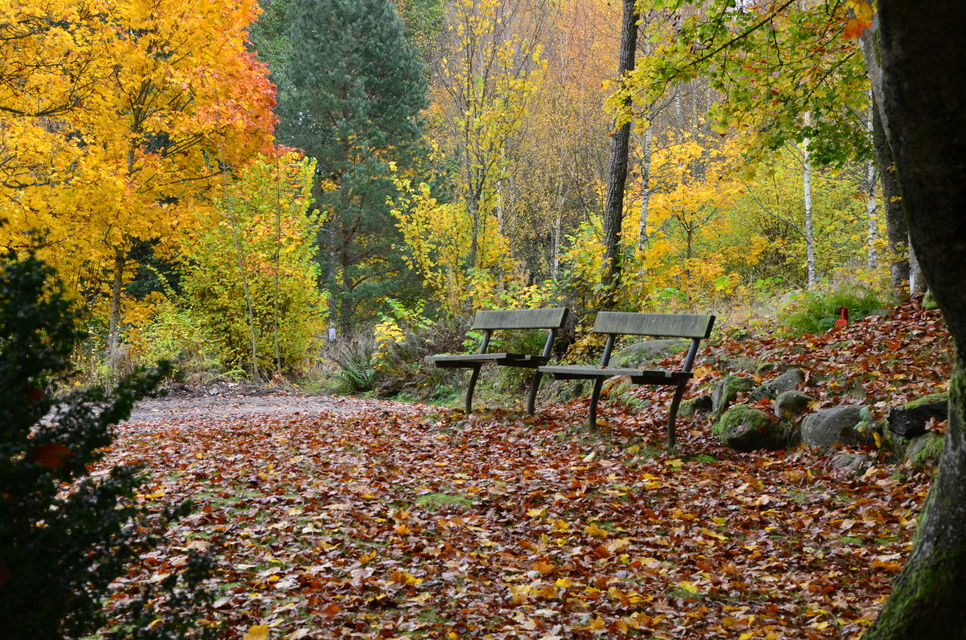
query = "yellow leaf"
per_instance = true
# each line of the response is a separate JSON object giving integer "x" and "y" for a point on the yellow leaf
{"x": 595, "y": 531}
{"x": 563, "y": 583}
{"x": 404, "y": 578}
{"x": 537, "y": 513}
{"x": 596, "y": 624}
{"x": 688, "y": 587}
{"x": 257, "y": 632}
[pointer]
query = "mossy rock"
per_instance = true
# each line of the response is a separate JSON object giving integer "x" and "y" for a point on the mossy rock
{"x": 791, "y": 404}
{"x": 744, "y": 428}
{"x": 726, "y": 391}
{"x": 691, "y": 406}
{"x": 648, "y": 351}
{"x": 838, "y": 425}
{"x": 929, "y": 302}
{"x": 910, "y": 419}
{"x": 785, "y": 382}
{"x": 923, "y": 451}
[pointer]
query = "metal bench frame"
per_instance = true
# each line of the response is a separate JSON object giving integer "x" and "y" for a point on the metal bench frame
{"x": 612, "y": 323}
{"x": 489, "y": 321}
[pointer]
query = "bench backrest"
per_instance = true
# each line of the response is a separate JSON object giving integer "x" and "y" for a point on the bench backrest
{"x": 670, "y": 325}
{"x": 520, "y": 319}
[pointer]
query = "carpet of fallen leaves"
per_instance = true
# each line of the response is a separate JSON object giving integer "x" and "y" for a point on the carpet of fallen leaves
{"x": 378, "y": 520}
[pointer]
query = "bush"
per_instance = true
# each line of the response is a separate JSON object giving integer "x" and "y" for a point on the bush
{"x": 66, "y": 532}
{"x": 354, "y": 357}
{"x": 817, "y": 311}
{"x": 402, "y": 369}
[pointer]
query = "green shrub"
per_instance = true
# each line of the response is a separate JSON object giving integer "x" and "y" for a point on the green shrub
{"x": 65, "y": 532}
{"x": 532, "y": 341}
{"x": 354, "y": 357}
{"x": 816, "y": 311}
{"x": 402, "y": 369}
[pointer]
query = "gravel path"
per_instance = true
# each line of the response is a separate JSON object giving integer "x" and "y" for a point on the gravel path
{"x": 227, "y": 402}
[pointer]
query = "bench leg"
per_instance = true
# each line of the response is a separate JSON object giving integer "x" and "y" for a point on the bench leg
{"x": 532, "y": 395}
{"x": 672, "y": 415}
{"x": 594, "y": 397}
{"x": 470, "y": 388}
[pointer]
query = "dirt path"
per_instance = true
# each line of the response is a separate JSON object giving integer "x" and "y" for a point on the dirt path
{"x": 228, "y": 403}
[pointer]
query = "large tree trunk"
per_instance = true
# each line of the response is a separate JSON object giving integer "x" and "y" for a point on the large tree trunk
{"x": 617, "y": 168}
{"x": 923, "y": 67}
{"x": 896, "y": 227}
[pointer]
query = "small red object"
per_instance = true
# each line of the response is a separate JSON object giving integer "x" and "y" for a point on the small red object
{"x": 844, "y": 320}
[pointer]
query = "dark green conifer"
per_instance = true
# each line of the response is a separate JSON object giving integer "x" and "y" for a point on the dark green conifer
{"x": 351, "y": 99}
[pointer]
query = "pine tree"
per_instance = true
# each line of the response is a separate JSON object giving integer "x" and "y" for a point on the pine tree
{"x": 351, "y": 99}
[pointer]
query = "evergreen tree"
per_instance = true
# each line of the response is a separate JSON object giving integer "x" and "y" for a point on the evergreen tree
{"x": 351, "y": 99}
{"x": 66, "y": 532}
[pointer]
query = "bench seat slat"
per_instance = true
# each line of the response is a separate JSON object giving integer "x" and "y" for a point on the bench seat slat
{"x": 638, "y": 376}
{"x": 506, "y": 359}
{"x": 672, "y": 325}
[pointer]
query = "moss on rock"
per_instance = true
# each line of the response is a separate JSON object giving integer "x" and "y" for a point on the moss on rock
{"x": 744, "y": 428}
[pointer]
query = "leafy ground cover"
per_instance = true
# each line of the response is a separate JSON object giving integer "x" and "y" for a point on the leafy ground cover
{"x": 367, "y": 519}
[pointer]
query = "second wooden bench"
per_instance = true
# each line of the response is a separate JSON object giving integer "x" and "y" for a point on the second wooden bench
{"x": 613, "y": 323}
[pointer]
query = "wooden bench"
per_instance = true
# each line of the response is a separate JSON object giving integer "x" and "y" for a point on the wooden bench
{"x": 695, "y": 327}
{"x": 490, "y": 321}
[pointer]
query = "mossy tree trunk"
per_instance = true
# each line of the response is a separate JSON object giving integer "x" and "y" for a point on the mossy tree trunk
{"x": 922, "y": 98}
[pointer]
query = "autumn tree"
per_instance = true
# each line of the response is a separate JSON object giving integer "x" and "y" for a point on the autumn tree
{"x": 486, "y": 82}
{"x": 791, "y": 73}
{"x": 251, "y": 278}
{"x": 921, "y": 92}
{"x": 354, "y": 90}
{"x": 158, "y": 98}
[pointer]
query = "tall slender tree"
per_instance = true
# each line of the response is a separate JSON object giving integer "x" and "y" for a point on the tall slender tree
{"x": 352, "y": 96}
{"x": 617, "y": 169}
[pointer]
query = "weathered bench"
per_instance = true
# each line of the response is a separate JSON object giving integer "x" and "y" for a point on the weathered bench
{"x": 695, "y": 327}
{"x": 488, "y": 322}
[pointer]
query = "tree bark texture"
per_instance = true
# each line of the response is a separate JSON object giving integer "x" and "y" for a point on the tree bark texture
{"x": 924, "y": 96}
{"x": 810, "y": 278}
{"x": 617, "y": 167}
{"x": 896, "y": 228}
{"x": 114, "y": 320}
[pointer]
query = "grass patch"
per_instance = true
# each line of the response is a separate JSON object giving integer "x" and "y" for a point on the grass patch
{"x": 433, "y": 500}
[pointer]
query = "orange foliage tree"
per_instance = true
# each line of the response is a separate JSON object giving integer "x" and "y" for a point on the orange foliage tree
{"x": 115, "y": 118}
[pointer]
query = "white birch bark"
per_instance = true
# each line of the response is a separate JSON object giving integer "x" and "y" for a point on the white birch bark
{"x": 871, "y": 205}
{"x": 809, "y": 227}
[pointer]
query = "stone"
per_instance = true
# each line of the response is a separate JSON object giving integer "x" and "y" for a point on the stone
{"x": 691, "y": 406}
{"x": 828, "y": 427}
{"x": 641, "y": 353}
{"x": 745, "y": 428}
{"x": 857, "y": 463}
{"x": 792, "y": 403}
{"x": 910, "y": 420}
{"x": 924, "y": 450}
{"x": 785, "y": 382}
{"x": 726, "y": 391}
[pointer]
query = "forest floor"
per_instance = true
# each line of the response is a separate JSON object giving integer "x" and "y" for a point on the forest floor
{"x": 351, "y": 518}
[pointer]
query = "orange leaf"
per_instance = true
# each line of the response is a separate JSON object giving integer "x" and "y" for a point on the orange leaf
{"x": 52, "y": 455}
